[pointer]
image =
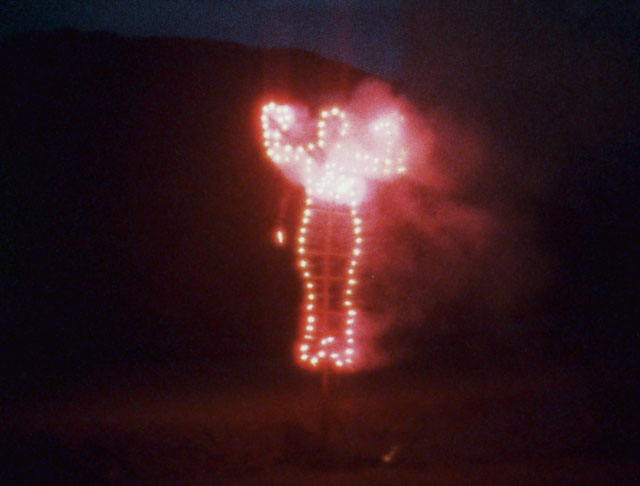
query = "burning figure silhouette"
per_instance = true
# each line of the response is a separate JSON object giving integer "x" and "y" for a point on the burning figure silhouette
{"x": 332, "y": 157}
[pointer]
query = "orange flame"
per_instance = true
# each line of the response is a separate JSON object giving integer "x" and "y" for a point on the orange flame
{"x": 279, "y": 237}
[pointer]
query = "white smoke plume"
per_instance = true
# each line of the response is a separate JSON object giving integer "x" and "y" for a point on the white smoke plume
{"x": 451, "y": 233}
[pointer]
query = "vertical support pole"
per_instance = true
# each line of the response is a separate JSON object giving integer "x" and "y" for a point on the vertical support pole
{"x": 325, "y": 411}
{"x": 326, "y": 269}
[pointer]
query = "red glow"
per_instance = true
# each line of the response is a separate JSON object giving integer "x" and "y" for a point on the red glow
{"x": 332, "y": 158}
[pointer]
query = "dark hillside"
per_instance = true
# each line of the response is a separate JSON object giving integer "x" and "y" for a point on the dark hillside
{"x": 138, "y": 205}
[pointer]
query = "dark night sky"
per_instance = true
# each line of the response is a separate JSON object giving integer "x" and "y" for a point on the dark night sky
{"x": 368, "y": 35}
{"x": 389, "y": 39}
{"x": 550, "y": 83}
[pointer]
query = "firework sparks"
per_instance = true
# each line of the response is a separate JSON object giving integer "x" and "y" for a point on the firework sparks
{"x": 279, "y": 237}
{"x": 332, "y": 158}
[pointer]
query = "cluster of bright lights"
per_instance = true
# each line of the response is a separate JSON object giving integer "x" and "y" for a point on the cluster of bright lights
{"x": 319, "y": 345}
{"x": 335, "y": 160}
{"x": 332, "y": 160}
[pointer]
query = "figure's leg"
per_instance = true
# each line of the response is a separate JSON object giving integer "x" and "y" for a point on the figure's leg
{"x": 329, "y": 242}
{"x": 349, "y": 301}
{"x": 307, "y": 352}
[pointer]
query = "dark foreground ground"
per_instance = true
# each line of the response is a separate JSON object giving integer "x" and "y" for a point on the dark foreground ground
{"x": 192, "y": 426}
